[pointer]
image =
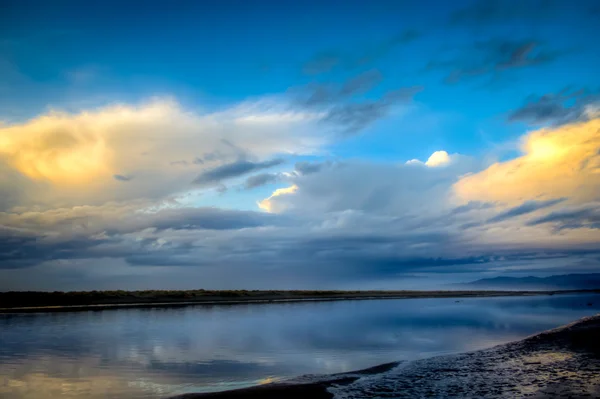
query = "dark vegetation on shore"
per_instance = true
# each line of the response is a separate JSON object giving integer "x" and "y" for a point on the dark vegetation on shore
{"x": 37, "y": 299}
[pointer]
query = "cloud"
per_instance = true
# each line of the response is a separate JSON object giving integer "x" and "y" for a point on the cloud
{"x": 493, "y": 57}
{"x": 330, "y": 94}
{"x": 472, "y": 206}
{"x": 564, "y": 107}
{"x": 342, "y": 106}
{"x": 387, "y": 188}
{"x": 587, "y": 216}
{"x": 115, "y": 230}
{"x": 122, "y": 178}
{"x": 351, "y": 118}
{"x": 347, "y": 223}
{"x": 525, "y": 208}
{"x": 75, "y": 157}
{"x": 334, "y": 222}
{"x": 555, "y": 162}
{"x": 261, "y": 180}
{"x": 306, "y": 168}
{"x": 234, "y": 169}
{"x": 326, "y": 61}
{"x": 267, "y": 203}
{"x": 361, "y": 83}
{"x": 83, "y": 157}
{"x": 438, "y": 158}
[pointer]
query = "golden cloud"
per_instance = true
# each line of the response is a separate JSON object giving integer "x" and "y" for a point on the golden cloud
{"x": 80, "y": 157}
{"x": 556, "y": 162}
{"x": 54, "y": 153}
{"x": 267, "y": 204}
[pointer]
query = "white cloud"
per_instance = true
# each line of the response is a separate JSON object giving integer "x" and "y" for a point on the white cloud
{"x": 267, "y": 203}
{"x": 386, "y": 188}
{"x": 438, "y": 158}
{"x": 73, "y": 158}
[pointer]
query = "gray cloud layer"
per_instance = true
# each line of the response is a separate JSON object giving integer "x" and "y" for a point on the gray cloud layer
{"x": 586, "y": 217}
{"x": 260, "y": 180}
{"x": 566, "y": 106}
{"x": 234, "y": 169}
{"x": 525, "y": 208}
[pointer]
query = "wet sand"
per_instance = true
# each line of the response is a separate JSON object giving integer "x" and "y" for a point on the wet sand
{"x": 560, "y": 363}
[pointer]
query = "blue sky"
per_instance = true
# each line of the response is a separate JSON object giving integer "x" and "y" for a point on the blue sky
{"x": 187, "y": 106}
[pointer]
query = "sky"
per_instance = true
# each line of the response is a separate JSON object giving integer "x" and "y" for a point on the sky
{"x": 297, "y": 145}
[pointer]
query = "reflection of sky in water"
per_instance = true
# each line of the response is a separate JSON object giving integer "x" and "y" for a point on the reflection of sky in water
{"x": 158, "y": 352}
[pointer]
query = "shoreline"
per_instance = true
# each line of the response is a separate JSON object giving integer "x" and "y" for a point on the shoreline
{"x": 257, "y": 297}
{"x": 561, "y": 362}
{"x": 295, "y": 390}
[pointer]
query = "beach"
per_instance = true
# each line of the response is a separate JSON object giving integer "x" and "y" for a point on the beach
{"x": 559, "y": 363}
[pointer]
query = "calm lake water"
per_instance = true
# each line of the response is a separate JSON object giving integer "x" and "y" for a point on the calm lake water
{"x": 155, "y": 353}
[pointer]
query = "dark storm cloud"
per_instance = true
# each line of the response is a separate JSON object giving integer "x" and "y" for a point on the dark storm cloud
{"x": 19, "y": 249}
{"x": 165, "y": 257}
{"x": 326, "y": 61}
{"x": 209, "y": 219}
{"x": 260, "y": 180}
{"x": 234, "y": 169}
{"x": 391, "y": 266}
{"x": 525, "y": 208}
{"x": 571, "y": 218}
{"x": 556, "y": 108}
{"x": 397, "y": 266}
{"x": 122, "y": 177}
{"x": 15, "y": 248}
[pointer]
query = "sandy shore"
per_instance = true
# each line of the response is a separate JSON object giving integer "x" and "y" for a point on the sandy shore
{"x": 26, "y": 302}
{"x": 560, "y": 363}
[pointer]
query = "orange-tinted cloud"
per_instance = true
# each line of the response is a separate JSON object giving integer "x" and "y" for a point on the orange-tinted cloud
{"x": 556, "y": 162}
{"x": 124, "y": 152}
{"x": 267, "y": 204}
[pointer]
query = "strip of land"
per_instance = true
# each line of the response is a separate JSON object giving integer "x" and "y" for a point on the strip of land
{"x": 560, "y": 363}
{"x": 36, "y": 301}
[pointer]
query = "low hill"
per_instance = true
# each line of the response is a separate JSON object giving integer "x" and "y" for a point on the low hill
{"x": 559, "y": 282}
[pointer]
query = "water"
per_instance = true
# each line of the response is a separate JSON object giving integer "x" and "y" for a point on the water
{"x": 155, "y": 353}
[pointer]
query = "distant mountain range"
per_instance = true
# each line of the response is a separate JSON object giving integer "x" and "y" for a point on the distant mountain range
{"x": 559, "y": 282}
